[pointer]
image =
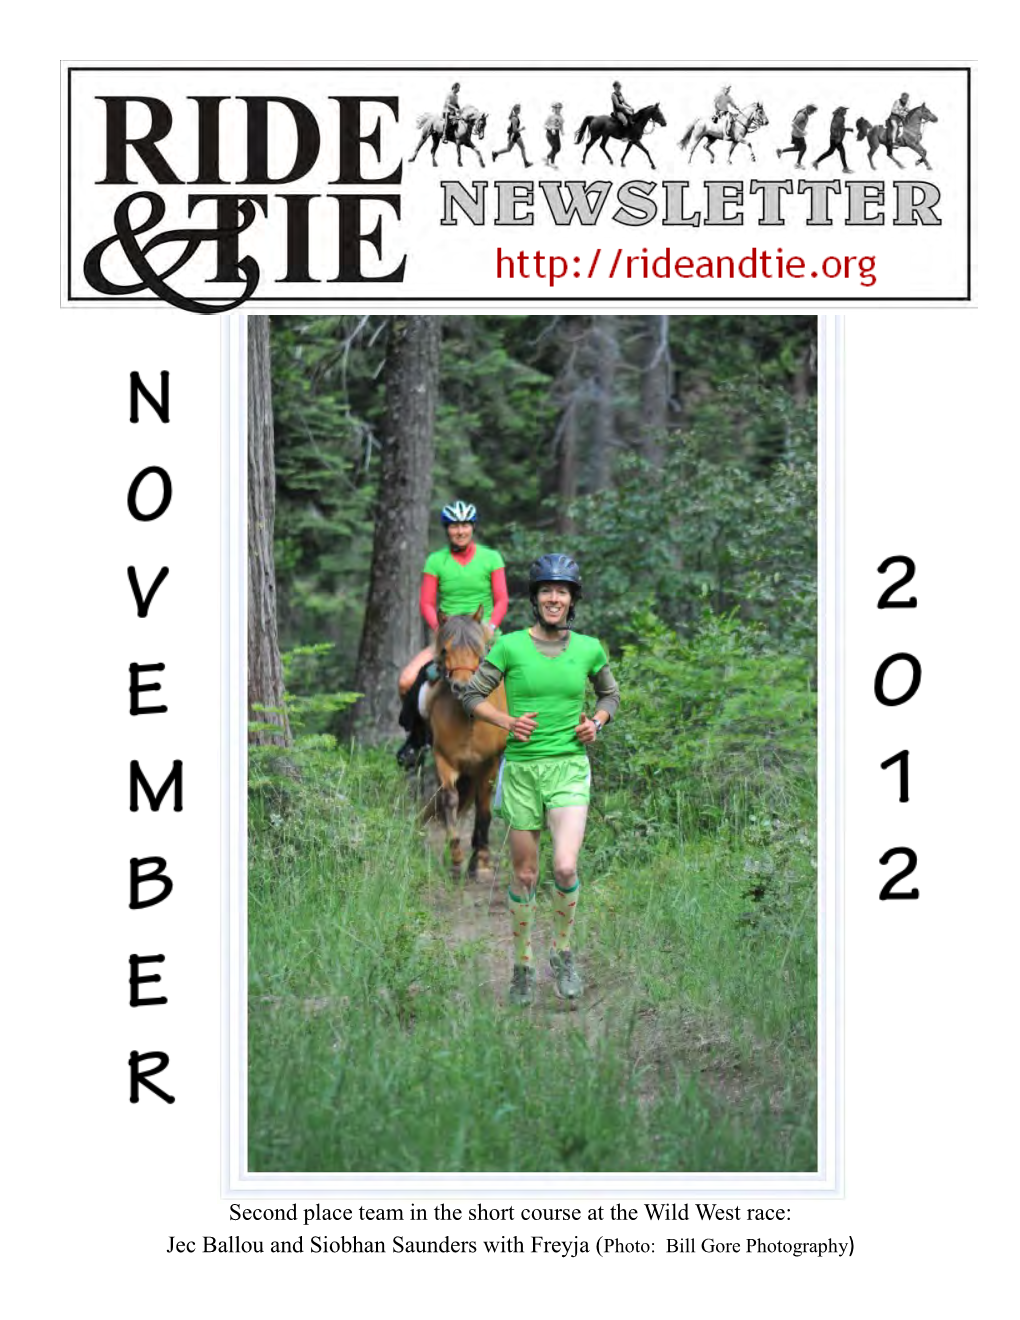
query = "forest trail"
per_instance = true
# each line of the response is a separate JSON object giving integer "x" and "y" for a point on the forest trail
{"x": 473, "y": 913}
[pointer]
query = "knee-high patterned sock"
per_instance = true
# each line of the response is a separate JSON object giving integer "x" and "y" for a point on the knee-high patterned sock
{"x": 564, "y": 908}
{"x": 522, "y": 916}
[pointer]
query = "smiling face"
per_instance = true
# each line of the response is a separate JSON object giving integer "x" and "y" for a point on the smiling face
{"x": 554, "y": 600}
{"x": 460, "y": 534}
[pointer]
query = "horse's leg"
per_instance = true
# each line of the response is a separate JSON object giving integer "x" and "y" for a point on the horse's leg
{"x": 708, "y": 147}
{"x": 435, "y": 147}
{"x": 421, "y": 143}
{"x": 449, "y": 801}
{"x": 588, "y": 148}
{"x": 483, "y": 820}
{"x": 481, "y": 159}
{"x": 605, "y": 153}
{"x": 641, "y": 147}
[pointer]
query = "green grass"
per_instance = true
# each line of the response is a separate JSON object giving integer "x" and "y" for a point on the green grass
{"x": 372, "y": 1048}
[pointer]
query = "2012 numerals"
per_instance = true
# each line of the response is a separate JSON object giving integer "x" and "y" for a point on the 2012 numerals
{"x": 897, "y": 681}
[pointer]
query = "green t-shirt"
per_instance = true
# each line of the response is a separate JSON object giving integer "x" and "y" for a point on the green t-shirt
{"x": 463, "y": 587}
{"x": 552, "y": 686}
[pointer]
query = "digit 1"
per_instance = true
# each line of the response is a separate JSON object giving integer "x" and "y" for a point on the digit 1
{"x": 902, "y": 757}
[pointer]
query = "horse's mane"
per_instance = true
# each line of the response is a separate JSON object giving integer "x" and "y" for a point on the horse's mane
{"x": 462, "y": 630}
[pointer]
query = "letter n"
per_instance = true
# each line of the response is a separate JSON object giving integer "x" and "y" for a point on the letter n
{"x": 175, "y": 777}
{"x": 160, "y": 408}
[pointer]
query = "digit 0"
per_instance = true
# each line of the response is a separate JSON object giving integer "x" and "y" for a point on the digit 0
{"x": 888, "y": 889}
{"x": 885, "y": 601}
{"x": 913, "y": 685}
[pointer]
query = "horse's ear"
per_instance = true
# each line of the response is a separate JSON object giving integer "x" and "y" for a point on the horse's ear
{"x": 441, "y": 617}
{"x": 479, "y": 614}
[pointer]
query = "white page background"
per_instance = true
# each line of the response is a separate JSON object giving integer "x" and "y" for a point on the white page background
{"x": 96, "y": 1185}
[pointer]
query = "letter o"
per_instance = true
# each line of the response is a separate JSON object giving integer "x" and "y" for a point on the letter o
{"x": 883, "y": 669}
{"x": 164, "y": 503}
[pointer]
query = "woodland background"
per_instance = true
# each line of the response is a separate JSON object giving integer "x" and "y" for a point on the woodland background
{"x": 675, "y": 457}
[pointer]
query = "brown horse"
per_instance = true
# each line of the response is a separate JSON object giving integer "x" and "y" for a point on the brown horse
{"x": 466, "y": 752}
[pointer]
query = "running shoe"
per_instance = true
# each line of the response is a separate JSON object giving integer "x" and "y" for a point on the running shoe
{"x": 522, "y": 987}
{"x": 568, "y": 978}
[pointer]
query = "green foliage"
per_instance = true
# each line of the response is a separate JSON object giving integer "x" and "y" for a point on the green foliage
{"x": 699, "y": 531}
{"x": 730, "y": 512}
{"x": 376, "y": 1042}
{"x": 712, "y": 728}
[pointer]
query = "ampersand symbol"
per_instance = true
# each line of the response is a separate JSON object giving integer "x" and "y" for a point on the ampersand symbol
{"x": 126, "y": 235}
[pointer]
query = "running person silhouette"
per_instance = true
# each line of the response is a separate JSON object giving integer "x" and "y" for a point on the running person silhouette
{"x": 545, "y": 774}
{"x": 513, "y": 136}
{"x": 837, "y": 131}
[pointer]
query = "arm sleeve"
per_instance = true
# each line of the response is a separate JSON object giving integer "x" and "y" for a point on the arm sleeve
{"x": 427, "y": 600}
{"x": 486, "y": 679}
{"x": 500, "y": 597}
{"x": 606, "y": 691}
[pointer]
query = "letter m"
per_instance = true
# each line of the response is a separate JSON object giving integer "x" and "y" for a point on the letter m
{"x": 174, "y": 777}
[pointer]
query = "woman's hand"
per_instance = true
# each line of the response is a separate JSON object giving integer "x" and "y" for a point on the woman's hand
{"x": 587, "y": 730}
{"x": 523, "y": 726}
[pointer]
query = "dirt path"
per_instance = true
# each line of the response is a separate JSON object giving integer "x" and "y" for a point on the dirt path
{"x": 474, "y": 913}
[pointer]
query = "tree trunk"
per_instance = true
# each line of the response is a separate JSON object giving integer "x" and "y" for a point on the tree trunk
{"x": 392, "y": 629}
{"x": 655, "y": 386}
{"x": 265, "y": 672}
{"x": 604, "y": 331}
{"x": 569, "y": 387}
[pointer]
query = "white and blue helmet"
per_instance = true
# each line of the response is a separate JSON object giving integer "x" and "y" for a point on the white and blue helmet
{"x": 458, "y": 512}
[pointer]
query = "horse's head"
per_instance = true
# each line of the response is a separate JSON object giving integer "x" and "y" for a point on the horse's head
{"x": 480, "y": 125}
{"x": 653, "y": 113}
{"x": 461, "y": 643}
{"x": 758, "y": 115}
{"x": 925, "y": 115}
{"x": 862, "y": 127}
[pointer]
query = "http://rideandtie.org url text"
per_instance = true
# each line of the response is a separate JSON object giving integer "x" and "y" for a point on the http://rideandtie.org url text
{"x": 667, "y": 264}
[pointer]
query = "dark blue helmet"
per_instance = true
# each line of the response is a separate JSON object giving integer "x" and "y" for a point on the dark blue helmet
{"x": 555, "y": 568}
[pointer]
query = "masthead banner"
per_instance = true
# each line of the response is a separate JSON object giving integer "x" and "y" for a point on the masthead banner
{"x": 210, "y": 188}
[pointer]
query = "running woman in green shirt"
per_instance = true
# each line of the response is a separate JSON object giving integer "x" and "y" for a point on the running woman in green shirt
{"x": 545, "y": 772}
{"x": 456, "y": 580}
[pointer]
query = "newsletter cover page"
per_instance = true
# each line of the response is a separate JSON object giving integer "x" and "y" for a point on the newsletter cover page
{"x": 507, "y": 528}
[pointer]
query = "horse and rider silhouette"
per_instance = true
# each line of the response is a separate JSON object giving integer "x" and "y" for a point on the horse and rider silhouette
{"x": 741, "y": 124}
{"x": 910, "y": 135}
{"x": 460, "y": 132}
{"x": 600, "y": 128}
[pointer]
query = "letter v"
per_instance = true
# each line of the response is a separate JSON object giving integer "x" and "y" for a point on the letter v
{"x": 143, "y": 602}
